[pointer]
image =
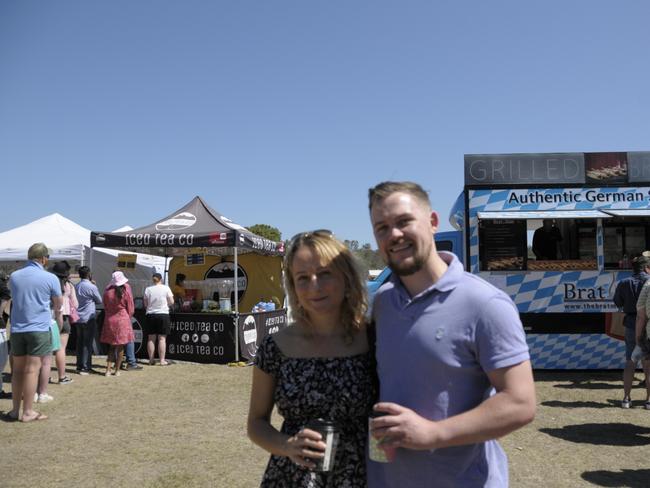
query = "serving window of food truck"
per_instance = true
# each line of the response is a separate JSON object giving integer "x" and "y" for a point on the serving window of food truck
{"x": 625, "y": 235}
{"x": 539, "y": 241}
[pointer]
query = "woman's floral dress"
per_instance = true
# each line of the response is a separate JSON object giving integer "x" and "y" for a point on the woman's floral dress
{"x": 340, "y": 389}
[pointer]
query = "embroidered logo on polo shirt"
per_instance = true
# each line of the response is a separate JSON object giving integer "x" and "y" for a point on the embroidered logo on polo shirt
{"x": 440, "y": 331}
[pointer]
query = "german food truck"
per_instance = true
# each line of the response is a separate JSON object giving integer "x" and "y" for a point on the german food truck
{"x": 556, "y": 232}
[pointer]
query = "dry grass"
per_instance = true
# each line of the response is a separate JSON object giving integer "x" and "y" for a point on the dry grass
{"x": 184, "y": 426}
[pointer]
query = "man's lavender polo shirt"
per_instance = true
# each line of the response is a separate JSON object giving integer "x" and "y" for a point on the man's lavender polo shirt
{"x": 433, "y": 352}
{"x": 87, "y": 296}
{"x": 32, "y": 288}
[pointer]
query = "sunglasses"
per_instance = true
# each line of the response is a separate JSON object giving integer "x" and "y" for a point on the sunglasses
{"x": 316, "y": 233}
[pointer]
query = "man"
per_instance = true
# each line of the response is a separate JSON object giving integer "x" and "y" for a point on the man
{"x": 131, "y": 363}
{"x": 452, "y": 357}
{"x": 546, "y": 240}
{"x": 88, "y": 297}
{"x": 626, "y": 297}
{"x": 32, "y": 291}
{"x": 157, "y": 300}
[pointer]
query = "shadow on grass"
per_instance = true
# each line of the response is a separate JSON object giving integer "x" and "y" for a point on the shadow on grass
{"x": 589, "y": 386}
{"x": 614, "y": 434}
{"x": 630, "y": 478}
{"x": 580, "y": 404}
{"x": 576, "y": 379}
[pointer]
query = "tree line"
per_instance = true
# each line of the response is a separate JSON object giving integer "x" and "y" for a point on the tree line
{"x": 367, "y": 257}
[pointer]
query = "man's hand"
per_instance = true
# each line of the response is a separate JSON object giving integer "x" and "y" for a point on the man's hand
{"x": 402, "y": 427}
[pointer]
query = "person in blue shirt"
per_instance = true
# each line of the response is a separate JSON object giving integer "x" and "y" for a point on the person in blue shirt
{"x": 452, "y": 358}
{"x": 88, "y": 297}
{"x": 626, "y": 297}
{"x": 33, "y": 289}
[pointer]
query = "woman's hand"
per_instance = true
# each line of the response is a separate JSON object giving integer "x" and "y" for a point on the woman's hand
{"x": 304, "y": 447}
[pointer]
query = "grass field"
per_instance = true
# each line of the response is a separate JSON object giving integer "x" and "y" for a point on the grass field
{"x": 184, "y": 426}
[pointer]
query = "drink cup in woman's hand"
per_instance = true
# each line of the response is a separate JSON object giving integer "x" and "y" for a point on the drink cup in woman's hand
{"x": 330, "y": 437}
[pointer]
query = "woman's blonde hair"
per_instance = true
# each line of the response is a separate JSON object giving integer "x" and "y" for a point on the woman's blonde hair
{"x": 334, "y": 253}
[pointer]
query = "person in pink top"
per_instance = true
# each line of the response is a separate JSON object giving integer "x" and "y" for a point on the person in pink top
{"x": 118, "y": 310}
{"x": 62, "y": 270}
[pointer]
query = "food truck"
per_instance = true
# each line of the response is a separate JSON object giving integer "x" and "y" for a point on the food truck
{"x": 597, "y": 209}
{"x": 597, "y": 212}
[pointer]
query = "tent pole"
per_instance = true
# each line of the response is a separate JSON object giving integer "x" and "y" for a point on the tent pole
{"x": 166, "y": 272}
{"x": 236, "y": 306}
{"x": 236, "y": 284}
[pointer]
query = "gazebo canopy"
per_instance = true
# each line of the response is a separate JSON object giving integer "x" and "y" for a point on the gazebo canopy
{"x": 195, "y": 225}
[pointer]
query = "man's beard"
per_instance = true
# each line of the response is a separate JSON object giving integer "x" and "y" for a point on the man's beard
{"x": 407, "y": 269}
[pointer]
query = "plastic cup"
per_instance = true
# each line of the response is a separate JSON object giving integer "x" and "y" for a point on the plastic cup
{"x": 376, "y": 451}
{"x": 330, "y": 436}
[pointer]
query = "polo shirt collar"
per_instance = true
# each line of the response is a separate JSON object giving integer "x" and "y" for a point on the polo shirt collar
{"x": 35, "y": 263}
{"x": 447, "y": 282}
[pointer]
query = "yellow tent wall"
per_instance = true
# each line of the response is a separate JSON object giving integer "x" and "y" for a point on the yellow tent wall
{"x": 264, "y": 275}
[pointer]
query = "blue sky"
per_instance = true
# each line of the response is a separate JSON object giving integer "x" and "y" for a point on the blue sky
{"x": 118, "y": 112}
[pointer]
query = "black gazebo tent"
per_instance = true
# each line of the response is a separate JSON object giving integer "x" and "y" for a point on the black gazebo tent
{"x": 195, "y": 225}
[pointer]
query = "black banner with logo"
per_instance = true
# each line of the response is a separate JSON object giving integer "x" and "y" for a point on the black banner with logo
{"x": 201, "y": 338}
{"x": 253, "y": 327}
{"x": 209, "y": 338}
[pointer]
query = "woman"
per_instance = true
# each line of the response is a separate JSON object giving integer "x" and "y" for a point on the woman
{"x": 118, "y": 310}
{"x": 5, "y": 303}
{"x": 62, "y": 271}
{"x": 319, "y": 367}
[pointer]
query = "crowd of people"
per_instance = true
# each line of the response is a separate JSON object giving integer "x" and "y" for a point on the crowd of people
{"x": 42, "y": 305}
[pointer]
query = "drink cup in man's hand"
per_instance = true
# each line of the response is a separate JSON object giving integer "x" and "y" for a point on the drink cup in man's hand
{"x": 377, "y": 451}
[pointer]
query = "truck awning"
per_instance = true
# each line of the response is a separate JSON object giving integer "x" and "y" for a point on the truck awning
{"x": 545, "y": 214}
{"x": 628, "y": 212}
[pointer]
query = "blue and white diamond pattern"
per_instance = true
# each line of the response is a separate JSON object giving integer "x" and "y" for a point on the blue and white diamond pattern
{"x": 575, "y": 351}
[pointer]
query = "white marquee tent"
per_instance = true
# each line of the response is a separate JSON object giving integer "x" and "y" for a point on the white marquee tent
{"x": 70, "y": 241}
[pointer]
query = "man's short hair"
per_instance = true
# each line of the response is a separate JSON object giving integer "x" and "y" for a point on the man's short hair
{"x": 84, "y": 272}
{"x": 640, "y": 263}
{"x": 157, "y": 276}
{"x": 387, "y": 188}
{"x": 38, "y": 250}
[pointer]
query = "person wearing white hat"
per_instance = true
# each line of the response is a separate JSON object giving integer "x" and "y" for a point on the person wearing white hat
{"x": 118, "y": 310}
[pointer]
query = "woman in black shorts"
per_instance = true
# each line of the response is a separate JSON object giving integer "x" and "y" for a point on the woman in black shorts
{"x": 157, "y": 299}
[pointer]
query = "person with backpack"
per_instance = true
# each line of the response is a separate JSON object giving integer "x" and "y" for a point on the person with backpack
{"x": 626, "y": 297}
